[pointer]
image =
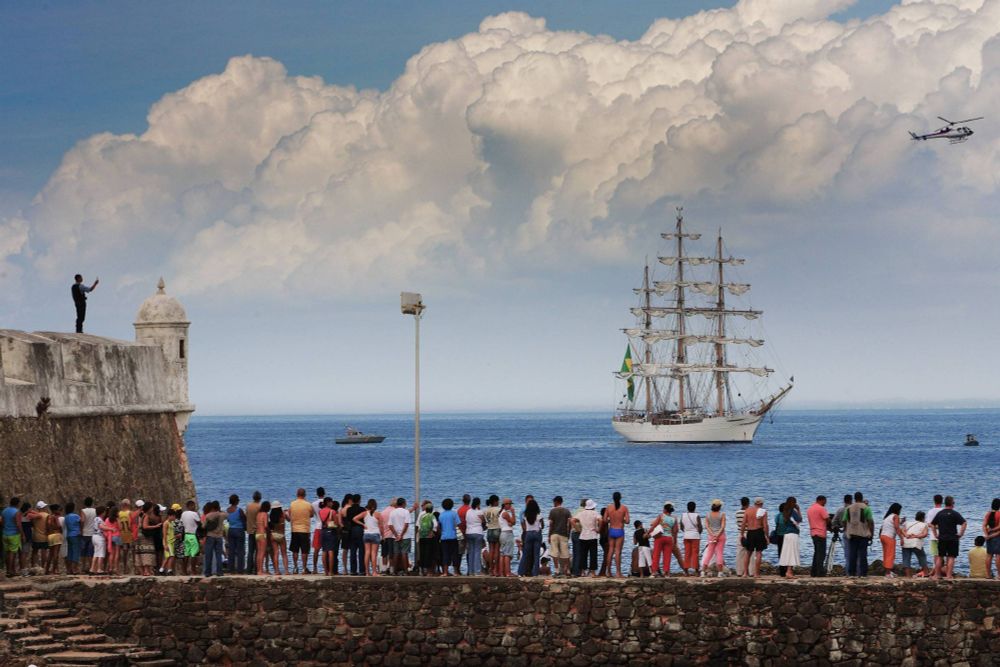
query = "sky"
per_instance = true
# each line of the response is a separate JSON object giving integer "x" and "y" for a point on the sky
{"x": 289, "y": 169}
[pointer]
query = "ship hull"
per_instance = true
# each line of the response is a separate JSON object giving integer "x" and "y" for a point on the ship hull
{"x": 734, "y": 428}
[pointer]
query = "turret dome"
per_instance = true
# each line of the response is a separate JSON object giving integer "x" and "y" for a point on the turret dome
{"x": 161, "y": 309}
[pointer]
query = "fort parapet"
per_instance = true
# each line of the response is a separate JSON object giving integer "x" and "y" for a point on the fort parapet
{"x": 84, "y": 415}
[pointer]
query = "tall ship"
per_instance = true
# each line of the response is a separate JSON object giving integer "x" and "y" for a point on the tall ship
{"x": 691, "y": 372}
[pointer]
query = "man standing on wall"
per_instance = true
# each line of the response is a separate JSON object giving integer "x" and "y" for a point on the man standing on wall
{"x": 819, "y": 520}
{"x": 559, "y": 520}
{"x": 949, "y": 527}
{"x": 859, "y": 528}
{"x": 300, "y": 512}
{"x": 79, "y": 291}
{"x": 742, "y": 554}
{"x": 252, "y": 510}
{"x": 317, "y": 527}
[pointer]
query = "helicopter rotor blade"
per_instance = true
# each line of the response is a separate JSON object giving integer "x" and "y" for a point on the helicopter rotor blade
{"x": 946, "y": 120}
{"x": 969, "y": 120}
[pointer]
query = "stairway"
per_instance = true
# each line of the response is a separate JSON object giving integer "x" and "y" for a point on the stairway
{"x": 38, "y": 629}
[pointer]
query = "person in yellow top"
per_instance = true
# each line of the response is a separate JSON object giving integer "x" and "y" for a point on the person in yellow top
{"x": 300, "y": 513}
{"x": 38, "y": 516}
{"x": 977, "y": 559}
{"x": 125, "y": 527}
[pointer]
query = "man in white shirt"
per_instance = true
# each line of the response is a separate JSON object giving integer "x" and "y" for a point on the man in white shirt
{"x": 929, "y": 520}
{"x": 588, "y": 522}
{"x": 87, "y": 515}
{"x": 399, "y": 528}
{"x": 317, "y": 526}
{"x": 190, "y": 521}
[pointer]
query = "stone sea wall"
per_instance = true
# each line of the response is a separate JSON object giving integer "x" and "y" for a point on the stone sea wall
{"x": 486, "y": 621}
{"x": 106, "y": 457}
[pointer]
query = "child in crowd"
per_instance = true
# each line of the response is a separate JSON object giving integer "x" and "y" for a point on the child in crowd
{"x": 977, "y": 559}
{"x": 644, "y": 556}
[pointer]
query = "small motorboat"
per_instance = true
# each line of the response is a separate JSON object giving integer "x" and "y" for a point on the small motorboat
{"x": 970, "y": 440}
{"x": 353, "y": 436}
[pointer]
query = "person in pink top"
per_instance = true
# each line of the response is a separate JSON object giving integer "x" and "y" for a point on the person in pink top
{"x": 819, "y": 524}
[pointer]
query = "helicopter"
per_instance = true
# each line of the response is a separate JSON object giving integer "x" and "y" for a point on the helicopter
{"x": 954, "y": 135}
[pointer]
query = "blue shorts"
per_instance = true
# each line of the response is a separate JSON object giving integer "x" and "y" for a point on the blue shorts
{"x": 373, "y": 538}
{"x": 73, "y": 548}
{"x": 87, "y": 548}
{"x": 616, "y": 532}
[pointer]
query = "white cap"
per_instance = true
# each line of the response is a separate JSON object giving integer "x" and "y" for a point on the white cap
{"x": 591, "y": 505}
{"x": 40, "y": 504}
{"x": 162, "y": 508}
{"x": 139, "y": 503}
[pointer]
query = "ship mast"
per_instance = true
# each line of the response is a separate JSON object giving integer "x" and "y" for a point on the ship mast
{"x": 647, "y": 355}
{"x": 680, "y": 356}
{"x": 720, "y": 348}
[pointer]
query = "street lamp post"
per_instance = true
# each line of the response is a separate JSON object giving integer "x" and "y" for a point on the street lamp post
{"x": 411, "y": 304}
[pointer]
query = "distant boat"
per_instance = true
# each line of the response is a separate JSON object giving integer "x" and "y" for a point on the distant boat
{"x": 970, "y": 440}
{"x": 353, "y": 436}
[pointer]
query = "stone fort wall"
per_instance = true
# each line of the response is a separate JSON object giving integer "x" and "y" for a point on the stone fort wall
{"x": 487, "y": 621}
{"x": 107, "y": 457}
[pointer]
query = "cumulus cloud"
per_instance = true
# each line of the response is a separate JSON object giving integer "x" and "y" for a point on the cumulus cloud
{"x": 515, "y": 146}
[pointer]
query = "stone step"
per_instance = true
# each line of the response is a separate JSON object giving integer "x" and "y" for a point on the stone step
{"x": 35, "y": 639}
{"x": 11, "y": 623}
{"x": 59, "y": 621}
{"x": 86, "y": 638}
{"x": 70, "y": 630}
{"x": 161, "y": 662}
{"x": 45, "y": 649}
{"x": 40, "y": 603}
{"x": 16, "y": 633}
{"x": 111, "y": 647}
{"x": 151, "y": 654}
{"x": 48, "y": 613}
{"x": 83, "y": 658}
{"x": 13, "y": 586}
{"x": 19, "y": 595}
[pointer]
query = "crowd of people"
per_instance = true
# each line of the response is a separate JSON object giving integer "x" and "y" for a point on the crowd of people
{"x": 351, "y": 537}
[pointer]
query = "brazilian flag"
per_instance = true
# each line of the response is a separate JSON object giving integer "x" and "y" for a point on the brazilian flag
{"x": 627, "y": 368}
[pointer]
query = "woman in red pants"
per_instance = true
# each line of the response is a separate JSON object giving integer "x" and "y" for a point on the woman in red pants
{"x": 663, "y": 530}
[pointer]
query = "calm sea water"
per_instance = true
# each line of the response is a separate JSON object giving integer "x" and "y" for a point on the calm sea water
{"x": 891, "y": 456}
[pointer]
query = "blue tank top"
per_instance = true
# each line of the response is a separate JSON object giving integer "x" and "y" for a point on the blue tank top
{"x": 10, "y": 526}
{"x": 72, "y": 522}
{"x": 236, "y": 520}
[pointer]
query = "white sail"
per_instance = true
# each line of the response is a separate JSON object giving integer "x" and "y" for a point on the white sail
{"x": 652, "y": 336}
{"x": 698, "y": 261}
{"x": 662, "y": 311}
{"x": 662, "y": 287}
{"x": 675, "y": 369}
{"x": 712, "y": 289}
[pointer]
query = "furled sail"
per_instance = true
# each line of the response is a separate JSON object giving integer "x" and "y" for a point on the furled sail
{"x": 698, "y": 261}
{"x": 660, "y": 311}
{"x": 708, "y": 288}
{"x": 678, "y": 369}
{"x": 653, "y": 336}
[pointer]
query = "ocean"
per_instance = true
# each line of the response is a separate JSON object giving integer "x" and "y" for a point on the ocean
{"x": 903, "y": 456}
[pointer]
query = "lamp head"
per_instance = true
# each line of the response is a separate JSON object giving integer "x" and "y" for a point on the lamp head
{"x": 410, "y": 303}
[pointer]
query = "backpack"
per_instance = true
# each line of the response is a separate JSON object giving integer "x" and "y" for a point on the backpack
{"x": 426, "y": 525}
